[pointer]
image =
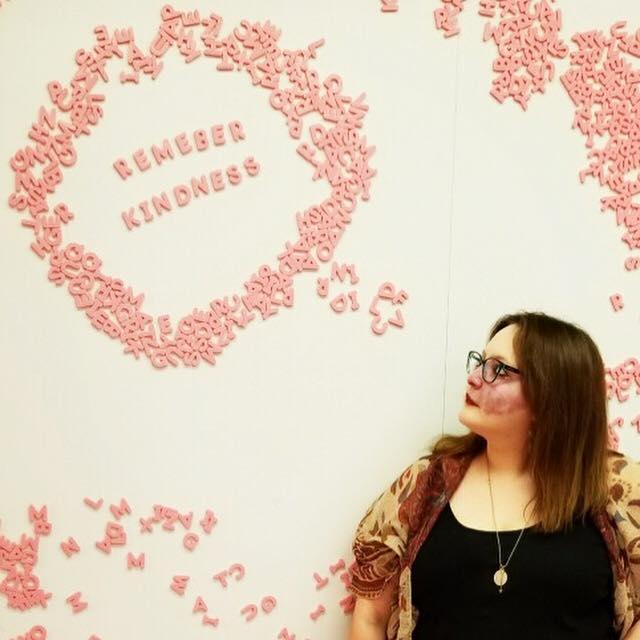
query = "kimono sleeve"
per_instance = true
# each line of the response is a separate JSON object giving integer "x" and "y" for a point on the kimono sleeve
{"x": 381, "y": 537}
{"x": 626, "y": 493}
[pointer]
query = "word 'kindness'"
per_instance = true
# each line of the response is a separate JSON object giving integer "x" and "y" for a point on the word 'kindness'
{"x": 183, "y": 193}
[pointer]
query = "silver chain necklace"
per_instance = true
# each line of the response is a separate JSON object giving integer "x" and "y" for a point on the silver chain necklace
{"x": 500, "y": 576}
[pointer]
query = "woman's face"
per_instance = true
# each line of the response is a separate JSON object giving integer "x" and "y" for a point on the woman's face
{"x": 500, "y": 408}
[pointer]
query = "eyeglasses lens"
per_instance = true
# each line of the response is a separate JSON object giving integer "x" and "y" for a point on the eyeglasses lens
{"x": 490, "y": 372}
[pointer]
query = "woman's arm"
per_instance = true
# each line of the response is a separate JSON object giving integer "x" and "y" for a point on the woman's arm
{"x": 379, "y": 543}
{"x": 369, "y": 618}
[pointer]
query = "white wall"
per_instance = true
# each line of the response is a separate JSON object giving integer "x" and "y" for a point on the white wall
{"x": 305, "y": 418}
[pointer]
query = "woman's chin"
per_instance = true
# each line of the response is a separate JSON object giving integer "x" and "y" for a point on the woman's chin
{"x": 470, "y": 424}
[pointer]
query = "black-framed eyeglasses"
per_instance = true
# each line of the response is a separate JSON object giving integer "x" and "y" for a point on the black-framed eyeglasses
{"x": 491, "y": 367}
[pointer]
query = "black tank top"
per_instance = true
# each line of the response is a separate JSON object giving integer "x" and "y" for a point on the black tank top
{"x": 559, "y": 586}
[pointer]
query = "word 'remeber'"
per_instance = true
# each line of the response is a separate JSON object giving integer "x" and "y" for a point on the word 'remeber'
{"x": 181, "y": 194}
{"x": 165, "y": 151}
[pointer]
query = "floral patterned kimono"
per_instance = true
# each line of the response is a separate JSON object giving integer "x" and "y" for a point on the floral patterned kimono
{"x": 394, "y": 527}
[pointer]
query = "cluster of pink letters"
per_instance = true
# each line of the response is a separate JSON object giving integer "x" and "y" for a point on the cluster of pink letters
{"x": 38, "y": 632}
{"x": 182, "y": 193}
{"x": 602, "y": 83}
{"x": 605, "y": 89}
{"x": 526, "y": 37}
{"x": 386, "y": 291}
{"x": 446, "y": 17}
{"x": 336, "y": 150}
{"x": 21, "y": 586}
{"x": 619, "y": 380}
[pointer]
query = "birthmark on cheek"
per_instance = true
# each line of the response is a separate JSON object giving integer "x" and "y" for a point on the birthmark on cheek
{"x": 502, "y": 400}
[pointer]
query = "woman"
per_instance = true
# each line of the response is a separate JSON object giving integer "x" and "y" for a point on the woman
{"x": 527, "y": 526}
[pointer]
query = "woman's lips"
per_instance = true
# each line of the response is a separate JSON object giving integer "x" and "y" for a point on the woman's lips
{"x": 468, "y": 400}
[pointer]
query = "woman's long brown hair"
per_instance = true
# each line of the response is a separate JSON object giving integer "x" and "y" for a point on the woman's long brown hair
{"x": 563, "y": 381}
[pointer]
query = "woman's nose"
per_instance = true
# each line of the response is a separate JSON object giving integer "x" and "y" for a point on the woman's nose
{"x": 475, "y": 377}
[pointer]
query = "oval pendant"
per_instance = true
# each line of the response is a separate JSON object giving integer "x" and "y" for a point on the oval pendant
{"x": 500, "y": 577}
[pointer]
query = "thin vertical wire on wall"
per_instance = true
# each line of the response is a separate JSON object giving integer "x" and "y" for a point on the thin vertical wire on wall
{"x": 451, "y": 210}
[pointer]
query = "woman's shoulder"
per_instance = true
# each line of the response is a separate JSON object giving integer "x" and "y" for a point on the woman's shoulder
{"x": 408, "y": 478}
{"x": 409, "y": 486}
